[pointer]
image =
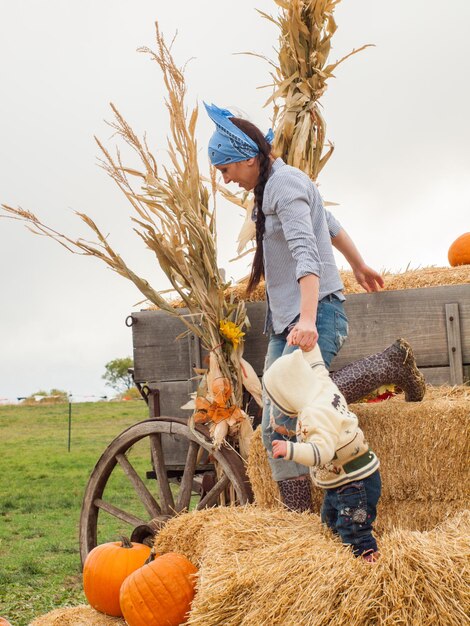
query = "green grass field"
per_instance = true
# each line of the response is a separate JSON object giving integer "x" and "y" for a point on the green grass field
{"x": 41, "y": 492}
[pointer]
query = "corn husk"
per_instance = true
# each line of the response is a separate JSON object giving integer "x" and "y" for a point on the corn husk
{"x": 245, "y": 436}
{"x": 251, "y": 381}
{"x": 218, "y": 432}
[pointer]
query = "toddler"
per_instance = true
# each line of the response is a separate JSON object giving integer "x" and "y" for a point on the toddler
{"x": 331, "y": 443}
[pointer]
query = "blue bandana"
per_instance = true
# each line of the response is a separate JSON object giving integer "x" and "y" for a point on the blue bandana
{"x": 229, "y": 144}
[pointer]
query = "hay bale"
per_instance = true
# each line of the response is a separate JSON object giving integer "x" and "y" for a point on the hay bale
{"x": 311, "y": 579}
{"x": 77, "y": 616}
{"x": 278, "y": 567}
{"x": 447, "y": 392}
{"x": 265, "y": 489}
{"x": 413, "y": 278}
{"x": 408, "y": 279}
{"x": 423, "y": 450}
{"x": 243, "y": 527}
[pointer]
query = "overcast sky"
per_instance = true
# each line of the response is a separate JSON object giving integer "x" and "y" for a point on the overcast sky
{"x": 397, "y": 114}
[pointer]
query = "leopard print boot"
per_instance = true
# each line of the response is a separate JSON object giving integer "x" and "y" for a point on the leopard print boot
{"x": 296, "y": 493}
{"x": 395, "y": 365}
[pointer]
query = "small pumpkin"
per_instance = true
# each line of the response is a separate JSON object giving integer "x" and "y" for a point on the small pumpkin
{"x": 4, "y": 622}
{"x": 106, "y": 567}
{"x": 459, "y": 251}
{"x": 159, "y": 593}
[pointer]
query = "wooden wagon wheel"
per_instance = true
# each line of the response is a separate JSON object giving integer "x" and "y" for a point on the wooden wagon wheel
{"x": 171, "y": 499}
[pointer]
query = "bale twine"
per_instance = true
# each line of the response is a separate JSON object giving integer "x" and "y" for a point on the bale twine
{"x": 77, "y": 616}
{"x": 423, "y": 450}
{"x": 278, "y": 567}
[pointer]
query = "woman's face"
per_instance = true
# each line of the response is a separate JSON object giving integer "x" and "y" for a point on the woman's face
{"x": 245, "y": 173}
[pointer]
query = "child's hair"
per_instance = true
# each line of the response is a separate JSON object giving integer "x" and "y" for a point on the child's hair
{"x": 257, "y": 268}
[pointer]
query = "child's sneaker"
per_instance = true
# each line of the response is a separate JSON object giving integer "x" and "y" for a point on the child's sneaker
{"x": 370, "y": 556}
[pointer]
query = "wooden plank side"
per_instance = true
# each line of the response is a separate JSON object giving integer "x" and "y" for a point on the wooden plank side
{"x": 440, "y": 375}
{"x": 376, "y": 320}
{"x": 158, "y": 355}
{"x": 256, "y": 343}
{"x": 418, "y": 315}
{"x": 454, "y": 343}
{"x": 166, "y": 362}
{"x": 173, "y": 395}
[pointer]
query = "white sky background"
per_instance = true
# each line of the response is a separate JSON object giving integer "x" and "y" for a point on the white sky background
{"x": 397, "y": 114}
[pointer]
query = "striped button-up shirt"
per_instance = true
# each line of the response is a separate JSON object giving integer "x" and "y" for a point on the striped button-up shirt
{"x": 297, "y": 242}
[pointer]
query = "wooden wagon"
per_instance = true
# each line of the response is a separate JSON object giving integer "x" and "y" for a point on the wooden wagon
{"x": 183, "y": 468}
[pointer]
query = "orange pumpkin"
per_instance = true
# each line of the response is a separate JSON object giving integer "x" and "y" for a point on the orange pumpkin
{"x": 459, "y": 251}
{"x": 106, "y": 567}
{"x": 4, "y": 622}
{"x": 159, "y": 593}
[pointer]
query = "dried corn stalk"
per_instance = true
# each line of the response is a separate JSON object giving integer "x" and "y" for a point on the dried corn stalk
{"x": 300, "y": 79}
{"x": 174, "y": 218}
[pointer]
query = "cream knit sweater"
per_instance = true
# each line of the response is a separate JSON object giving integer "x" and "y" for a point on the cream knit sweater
{"x": 329, "y": 439}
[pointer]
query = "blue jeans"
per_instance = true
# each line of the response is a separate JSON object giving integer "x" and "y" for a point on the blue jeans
{"x": 350, "y": 511}
{"x": 332, "y": 327}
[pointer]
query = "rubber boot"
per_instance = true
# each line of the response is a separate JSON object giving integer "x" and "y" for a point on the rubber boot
{"x": 394, "y": 366}
{"x": 296, "y": 493}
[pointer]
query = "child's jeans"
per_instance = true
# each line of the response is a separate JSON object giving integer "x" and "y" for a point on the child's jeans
{"x": 350, "y": 511}
{"x": 332, "y": 327}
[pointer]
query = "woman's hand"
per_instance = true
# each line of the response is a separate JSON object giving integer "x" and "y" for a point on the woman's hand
{"x": 304, "y": 335}
{"x": 368, "y": 278}
{"x": 279, "y": 449}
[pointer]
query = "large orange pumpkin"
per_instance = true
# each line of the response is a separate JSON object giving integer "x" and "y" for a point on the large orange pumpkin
{"x": 106, "y": 567}
{"x": 159, "y": 593}
{"x": 459, "y": 251}
{"x": 4, "y": 622}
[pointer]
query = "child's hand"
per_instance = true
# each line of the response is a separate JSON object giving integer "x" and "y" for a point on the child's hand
{"x": 279, "y": 449}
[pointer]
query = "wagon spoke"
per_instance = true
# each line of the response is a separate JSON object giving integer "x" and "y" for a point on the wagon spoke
{"x": 99, "y": 516}
{"x": 119, "y": 513}
{"x": 167, "y": 503}
{"x": 144, "y": 494}
{"x": 184, "y": 496}
{"x": 211, "y": 496}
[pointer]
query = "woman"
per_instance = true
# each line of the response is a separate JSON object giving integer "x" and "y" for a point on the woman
{"x": 304, "y": 291}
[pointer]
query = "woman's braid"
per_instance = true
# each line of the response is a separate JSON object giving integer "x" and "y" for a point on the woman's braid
{"x": 264, "y": 158}
{"x": 257, "y": 269}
